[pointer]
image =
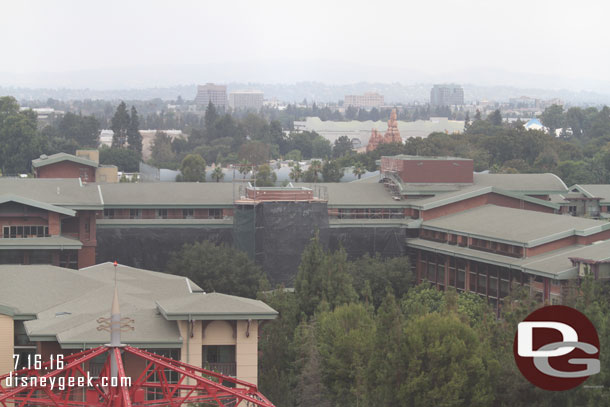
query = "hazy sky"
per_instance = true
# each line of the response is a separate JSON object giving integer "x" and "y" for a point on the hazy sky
{"x": 148, "y": 43}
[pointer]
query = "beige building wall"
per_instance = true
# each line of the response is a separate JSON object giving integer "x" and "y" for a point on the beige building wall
{"x": 7, "y": 345}
{"x": 108, "y": 173}
{"x": 93, "y": 155}
{"x": 246, "y": 351}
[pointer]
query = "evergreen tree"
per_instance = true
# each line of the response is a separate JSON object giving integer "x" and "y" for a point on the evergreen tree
{"x": 134, "y": 138}
{"x": 120, "y": 126}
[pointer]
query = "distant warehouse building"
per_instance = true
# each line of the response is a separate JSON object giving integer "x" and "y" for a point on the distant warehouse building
{"x": 247, "y": 100}
{"x": 447, "y": 95}
{"x": 217, "y": 94}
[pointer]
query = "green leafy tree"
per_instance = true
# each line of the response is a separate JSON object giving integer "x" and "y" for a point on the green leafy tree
{"x": 553, "y": 118}
{"x": 134, "y": 138}
{"x": 217, "y": 174}
{"x": 162, "y": 151}
{"x": 445, "y": 364}
{"x": 331, "y": 171}
{"x": 265, "y": 177}
{"x": 294, "y": 155}
{"x": 19, "y": 143}
{"x": 345, "y": 342}
{"x": 120, "y": 126}
{"x": 320, "y": 147}
{"x": 218, "y": 269}
{"x": 310, "y": 390}
{"x": 323, "y": 278}
{"x": 312, "y": 173}
{"x": 84, "y": 130}
{"x": 125, "y": 160}
{"x": 342, "y": 146}
{"x": 495, "y": 118}
{"x": 255, "y": 152}
{"x": 193, "y": 168}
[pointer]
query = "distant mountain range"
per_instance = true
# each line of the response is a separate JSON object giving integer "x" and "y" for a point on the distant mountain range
{"x": 312, "y": 91}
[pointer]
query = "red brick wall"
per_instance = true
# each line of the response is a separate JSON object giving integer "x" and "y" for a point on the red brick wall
{"x": 441, "y": 171}
{"x": 86, "y": 257}
{"x": 66, "y": 169}
{"x": 547, "y": 247}
{"x": 54, "y": 224}
{"x": 491, "y": 198}
{"x": 593, "y": 238}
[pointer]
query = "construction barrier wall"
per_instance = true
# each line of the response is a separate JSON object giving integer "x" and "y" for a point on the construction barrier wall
{"x": 387, "y": 241}
{"x": 150, "y": 248}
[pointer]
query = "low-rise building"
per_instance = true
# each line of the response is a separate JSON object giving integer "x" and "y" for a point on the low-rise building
{"x": 84, "y": 165}
{"x": 172, "y": 317}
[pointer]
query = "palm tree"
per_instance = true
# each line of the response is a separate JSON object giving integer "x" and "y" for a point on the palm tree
{"x": 359, "y": 170}
{"x": 296, "y": 172}
{"x": 316, "y": 167}
{"x": 217, "y": 174}
{"x": 244, "y": 168}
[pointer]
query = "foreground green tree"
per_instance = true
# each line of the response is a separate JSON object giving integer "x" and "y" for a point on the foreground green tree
{"x": 218, "y": 269}
{"x": 192, "y": 169}
{"x": 445, "y": 364}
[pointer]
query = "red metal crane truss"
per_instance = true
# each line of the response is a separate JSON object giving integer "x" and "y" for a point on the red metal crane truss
{"x": 191, "y": 385}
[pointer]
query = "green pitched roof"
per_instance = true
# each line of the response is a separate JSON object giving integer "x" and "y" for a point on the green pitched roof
{"x": 44, "y": 160}
{"x": 63, "y": 305}
{"x": 4, "y": 198}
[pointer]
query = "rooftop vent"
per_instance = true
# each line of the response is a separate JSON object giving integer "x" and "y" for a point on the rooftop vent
{"x": 43, "y": 156}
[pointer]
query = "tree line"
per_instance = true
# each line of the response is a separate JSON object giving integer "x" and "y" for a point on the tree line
{"x": 362, "y": 333}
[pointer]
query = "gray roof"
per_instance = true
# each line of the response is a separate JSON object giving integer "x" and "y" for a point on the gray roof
{"x": 354, "y": 194}
{"x": 515, "y": 226}
{"x": 527, "y": 183}
{"x": 170, "y": 194}
{"x": 62, "y": 304}
{"x": 599, "y": 251}
{"x": 40, "y": 243}
{"x": 594, "y": 191}
{"x": 212, "y": 306}
{"x": 471, "y": 192}
{"x": 69, "y": 193}
{"x": 59, "y": 157}
{"x": 559, "y": 198}
{"x": 37, "y": 204}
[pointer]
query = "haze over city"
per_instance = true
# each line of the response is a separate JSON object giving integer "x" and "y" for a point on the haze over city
{"x": 141, "y": 44}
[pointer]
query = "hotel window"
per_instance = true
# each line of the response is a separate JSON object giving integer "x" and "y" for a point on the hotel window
{"x": 12, "y": 232}
{"x": 171, "y": 376}
{"x": 188, "y": 214}
{"x": 135, "y": 214}
{"x": 108, "y": 213}
{"x": 161, "y": 213}
{"x": 215, "y": 213}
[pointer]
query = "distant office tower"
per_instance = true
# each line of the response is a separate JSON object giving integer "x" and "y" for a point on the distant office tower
{"x": 246, "y": 100}
{"x": 367, "y": 101}
{"x": 447, "y": 95}
{"x": 217, "y": 94}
